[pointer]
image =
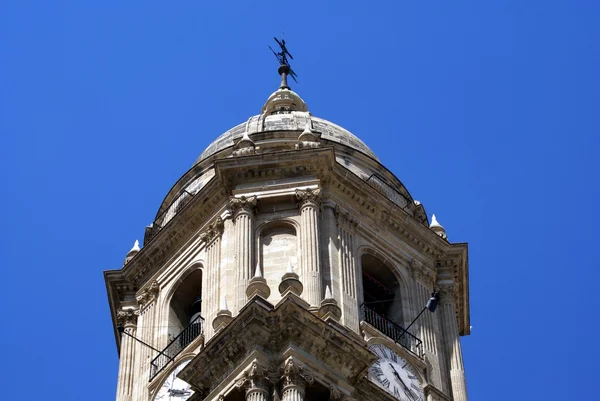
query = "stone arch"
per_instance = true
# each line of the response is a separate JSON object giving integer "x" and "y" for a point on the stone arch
{"x": 184, "y": 300}
{"x": 383, "y": 288}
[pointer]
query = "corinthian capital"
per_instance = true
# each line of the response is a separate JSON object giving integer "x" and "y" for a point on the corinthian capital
{"x": 255, "y": 378}
{"x": 243, "y": 204}
{"x": 294, "y": 374}
{"x": 448, "y": 292}
{"x": 148, "y": 294}
{"x": 213, "y": 231}
{"x": 308, "y": 196}
{"x": 127, "y": 317}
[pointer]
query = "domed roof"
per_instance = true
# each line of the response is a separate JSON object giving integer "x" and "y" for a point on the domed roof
{"x": 284, "y": 110}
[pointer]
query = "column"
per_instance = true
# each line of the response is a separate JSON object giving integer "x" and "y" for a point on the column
{"x": 294, "y": 381}
{"x": 146, "y": 324}
{"x": 211, "y": 277}
{"x": 128, "y": 319}
{"x": 452, "y": 342}
{"x": 255, "y": 383}
{"x": 309, "y": 200}
{"x": 243, "y": 217}
{"x": 329, "y": 244}
{"x": 427, "y": 325}
{"x": 348, "y": 269}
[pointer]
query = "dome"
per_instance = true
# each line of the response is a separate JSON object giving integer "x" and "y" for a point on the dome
{"x": 294, "y": 120}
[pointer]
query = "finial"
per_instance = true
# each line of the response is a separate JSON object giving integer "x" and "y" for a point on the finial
{"x": 437, "y": 228}
{"x": 328, "y": 293}
{"x": 136, "y": 247}
{"x": 257, "y": 271}
{"x": 223, "y": 303}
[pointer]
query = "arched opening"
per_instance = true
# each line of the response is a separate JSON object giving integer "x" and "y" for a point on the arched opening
{"x": 185, "y": 308}
{"x": 381, "y": 290}
{"x": 278, "y": 246}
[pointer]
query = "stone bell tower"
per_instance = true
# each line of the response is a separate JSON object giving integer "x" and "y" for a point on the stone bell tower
{"x": 289, "y": 264}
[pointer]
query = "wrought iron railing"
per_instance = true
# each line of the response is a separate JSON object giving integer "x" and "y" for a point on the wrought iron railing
{"x": 393, "y": 330}
{"x": 178, "y": 344}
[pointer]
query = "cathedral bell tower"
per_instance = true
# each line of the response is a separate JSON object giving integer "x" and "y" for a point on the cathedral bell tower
{"x": 289, "y": 264}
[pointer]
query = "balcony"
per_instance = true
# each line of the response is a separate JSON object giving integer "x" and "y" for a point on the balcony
{"x": 178, "y": 344}
{"x": 393, "y": 330}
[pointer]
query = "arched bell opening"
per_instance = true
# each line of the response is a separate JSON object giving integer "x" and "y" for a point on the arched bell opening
{"x": 382, "y": 292}
{"x": 185, "y": 309}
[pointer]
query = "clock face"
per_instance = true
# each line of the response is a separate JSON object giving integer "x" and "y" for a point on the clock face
{"x": 395, "y": 375}
{"x": 174, "y": 389}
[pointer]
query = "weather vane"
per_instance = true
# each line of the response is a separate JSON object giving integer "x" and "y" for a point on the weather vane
{"x": 284, "y": 64}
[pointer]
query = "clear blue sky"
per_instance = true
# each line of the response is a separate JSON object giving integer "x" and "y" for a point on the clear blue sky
{"x": 486, "y": 110}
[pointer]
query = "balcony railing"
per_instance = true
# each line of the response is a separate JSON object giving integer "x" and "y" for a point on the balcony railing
{"x": 178, "y": 344}
{"x": 392, "y": 330}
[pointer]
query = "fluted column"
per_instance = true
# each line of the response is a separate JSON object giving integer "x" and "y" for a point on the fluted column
{"x": 295, "y": 380}
{"x": 330, "y": 248}
{"x": 212, "y": 274}
{"x": 255, "y": 383}
{"x": 427, "y": 325}
{"x": 346, "y": 224}
{"x": 243, "y": 217}
{"x": 309, "y": 200}
{"x": 128, "y": 319}
{"x": 452, "y": 342}
{"x": 146, "y": 324}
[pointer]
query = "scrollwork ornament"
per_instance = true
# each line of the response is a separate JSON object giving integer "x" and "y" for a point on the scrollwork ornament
{"x": 294, "y": 375}
{"x": 254, "y": 378}
{"x": 213, "y": 231}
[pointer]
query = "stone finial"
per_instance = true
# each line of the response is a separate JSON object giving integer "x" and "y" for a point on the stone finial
{"x": 329, "y": 307}
{"x": 245, "y": 146}
{"x": 223, "y": 317}
{"x": 290, "y": 282}
{"x": 258, "y": 285}
{"x": 437, "y": 228}
{"x": 307, "y": 138}
{"x": 133, "y": 251}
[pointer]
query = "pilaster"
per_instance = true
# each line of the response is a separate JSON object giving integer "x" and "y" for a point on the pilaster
{"x": 348, "y": 274}
{"x": 309, "y": 200}
{"x": 146, "y": 324}
{"x": 243, "y": 217}
{"x": 452, "y": 341}
{"x": 128, "y": 319}
{"x": 212, "y": 273}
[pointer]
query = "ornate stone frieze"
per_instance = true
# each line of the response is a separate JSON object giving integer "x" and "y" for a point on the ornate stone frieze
{"x": 127, "y": 317}
{"x": 243, "y": 204}
{"x": 148, "y": 294}
{"x": 308, "y": 196}
{"x": 213, "y": 231}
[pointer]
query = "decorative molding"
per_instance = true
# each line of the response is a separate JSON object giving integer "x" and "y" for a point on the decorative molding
{"x": 213, "y": 231}
{"x": 309, "y": 197}
{"x": 243, "y": 204}
{"x": 422, "y": 273}
{"x": 148, "y": 295}
{"x": 255, "y": 378}
{"x": 448, "y": 292}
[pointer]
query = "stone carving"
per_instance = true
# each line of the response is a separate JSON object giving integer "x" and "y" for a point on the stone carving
{"x": 148, "y": 295}
{"x": 308, "y": 197}
{"x": 127, "y": 317}
{"x": 255, "y": 378}
{"x": 422, "y": 273}
{"x": 448, "y": 292}
{"x": 344, "y": 217}
{"x": 245, "y": 146}
{"x": 307, "y": 138}
{"x": 334, "y": 393}
{"x": 294, "y": 375}
{"x": 243, "y": 204}
{"x": 213, "y": 231}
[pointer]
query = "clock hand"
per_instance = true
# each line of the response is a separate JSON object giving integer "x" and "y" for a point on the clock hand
{"x": 406, "y": 389}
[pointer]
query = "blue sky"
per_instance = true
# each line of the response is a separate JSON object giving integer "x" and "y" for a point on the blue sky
{"x": 486, "y": 110}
